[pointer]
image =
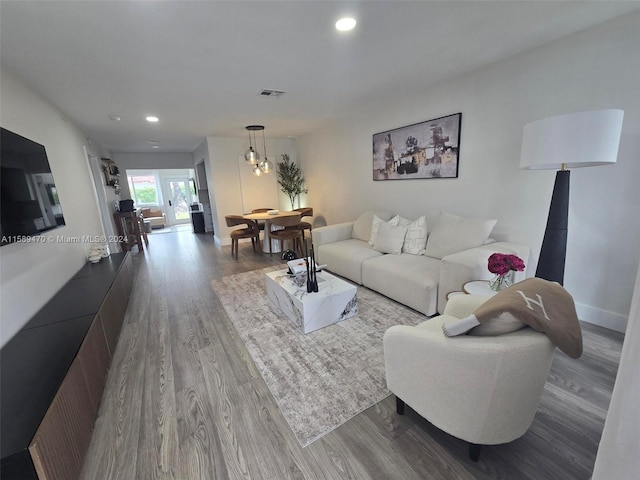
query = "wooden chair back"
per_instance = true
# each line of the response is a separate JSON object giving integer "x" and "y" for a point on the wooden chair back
{"x": 234, "y": 220}
{"x": 287, "y": 221}
{"x": 305, "y": 211}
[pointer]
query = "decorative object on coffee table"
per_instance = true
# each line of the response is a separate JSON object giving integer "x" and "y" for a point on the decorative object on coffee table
{"x": 312, "y": 274}
{"x": 423, "y": 150}
{"x": 502, "y": 265}
{"x": 289, "y": 255}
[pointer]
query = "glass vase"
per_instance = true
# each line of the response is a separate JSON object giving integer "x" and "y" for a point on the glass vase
{"x": 500, "y": 282}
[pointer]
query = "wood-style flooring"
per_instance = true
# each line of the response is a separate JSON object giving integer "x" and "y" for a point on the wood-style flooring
{"x": 185, "y": 401}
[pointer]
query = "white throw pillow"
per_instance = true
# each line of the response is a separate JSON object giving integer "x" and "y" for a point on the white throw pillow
{"x": 454, "y": 234}
{"x": 416, "y": 239}
{"x": 504, "y": 322}
{"x": 362, "y": 226}
{"x": 375, "y": 225}
{"x": 390, "y": 238}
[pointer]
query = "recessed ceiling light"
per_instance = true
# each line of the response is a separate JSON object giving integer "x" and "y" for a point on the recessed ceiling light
{"x": 345, "y": 24}
{"x": 155, "y": 146}
{"x": 152, "y": 119}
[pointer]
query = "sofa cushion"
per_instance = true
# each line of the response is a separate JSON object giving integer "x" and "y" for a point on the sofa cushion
{"x": 345, "y": 257}
{"x": 416, "y": 239}
{"x": 409, "y": 279}
{"x": 390, "y": 238}
{"x": 362, "y": 226}
{"x": 375, "y": 226}
{"x": 453, "y": 234}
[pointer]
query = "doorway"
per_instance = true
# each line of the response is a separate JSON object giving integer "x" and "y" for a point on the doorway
{"x": 180, "y": 194}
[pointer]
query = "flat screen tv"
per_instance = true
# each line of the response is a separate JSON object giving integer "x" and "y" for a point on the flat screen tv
{"x": 29, "y": 204}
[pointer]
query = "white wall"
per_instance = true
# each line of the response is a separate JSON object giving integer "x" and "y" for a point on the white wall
{"x": 31, "y": 274}
{"x": 226, "y": 179}
{"x": 596, "y": 68}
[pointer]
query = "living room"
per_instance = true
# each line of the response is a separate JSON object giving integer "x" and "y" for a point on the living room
{"x": 594, "y": 68}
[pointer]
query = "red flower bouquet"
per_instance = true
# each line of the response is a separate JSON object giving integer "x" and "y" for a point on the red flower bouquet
{"x": 502, "y": 264}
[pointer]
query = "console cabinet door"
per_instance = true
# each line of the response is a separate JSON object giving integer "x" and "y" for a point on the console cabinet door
{"x": 94, "y": 361}
{"x": 114, "y": 306}
{"x": 61, "y": 442}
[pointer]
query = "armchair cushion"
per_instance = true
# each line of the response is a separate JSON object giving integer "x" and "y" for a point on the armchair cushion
{"x": 500, "y": 324}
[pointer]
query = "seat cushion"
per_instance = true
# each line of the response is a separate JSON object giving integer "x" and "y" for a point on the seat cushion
{"x": 345, "y": 258}
{"x": 409, "y": 279}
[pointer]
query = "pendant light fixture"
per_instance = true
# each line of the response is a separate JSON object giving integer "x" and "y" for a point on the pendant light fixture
{"x": 265, "y": 166}
{"x": 252, "y": 156}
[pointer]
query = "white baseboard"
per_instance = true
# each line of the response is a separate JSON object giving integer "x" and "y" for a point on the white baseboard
{"x": 603, "y": 318}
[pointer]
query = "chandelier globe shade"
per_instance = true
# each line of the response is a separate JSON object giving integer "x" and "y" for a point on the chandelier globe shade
{"x": 252, "y": 156}
{"x": 266, "y": 166}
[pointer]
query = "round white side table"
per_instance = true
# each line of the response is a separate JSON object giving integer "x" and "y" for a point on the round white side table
{"x": 478, "y": 287}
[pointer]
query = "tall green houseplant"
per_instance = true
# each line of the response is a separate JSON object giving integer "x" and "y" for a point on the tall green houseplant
{"x": 290, "y": 179}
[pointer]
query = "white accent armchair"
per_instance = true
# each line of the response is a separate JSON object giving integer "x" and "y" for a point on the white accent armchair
{"x": 484, "y": 390}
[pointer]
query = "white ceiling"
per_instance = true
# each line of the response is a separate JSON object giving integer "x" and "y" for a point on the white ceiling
{"x": 200, "y": 65}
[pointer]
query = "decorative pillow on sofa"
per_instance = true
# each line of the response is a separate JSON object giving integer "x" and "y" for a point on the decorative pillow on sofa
{"x": 375, "y": 225}
{"x": 390, "y": 238}
{"x": 453, "y": 234}
{"x": 416, "y": 238}
{"x": 362, "y": 226}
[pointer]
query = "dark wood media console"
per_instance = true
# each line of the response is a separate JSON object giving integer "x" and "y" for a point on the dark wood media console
{"x": 53, "y": 373}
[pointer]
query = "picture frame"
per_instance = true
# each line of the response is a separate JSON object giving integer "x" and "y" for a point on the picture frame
{"x": 429, "y": 149}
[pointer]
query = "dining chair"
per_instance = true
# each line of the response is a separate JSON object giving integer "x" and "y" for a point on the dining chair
{"x": 251, "y": 231}
{"x": 302, "y": 226}
{"x": 293, "y": 234}
{"x": 260, "y": 210}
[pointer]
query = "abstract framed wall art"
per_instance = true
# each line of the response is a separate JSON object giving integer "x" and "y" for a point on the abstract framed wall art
{"x": 428, "y": 149}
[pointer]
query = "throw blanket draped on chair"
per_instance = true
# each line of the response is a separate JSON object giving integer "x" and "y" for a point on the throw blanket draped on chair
{"x": 543, "y": 305}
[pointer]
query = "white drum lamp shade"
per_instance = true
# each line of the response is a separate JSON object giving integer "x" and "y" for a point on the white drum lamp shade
{"x": 572, "y": 140}
{"x": 582, "y": 139}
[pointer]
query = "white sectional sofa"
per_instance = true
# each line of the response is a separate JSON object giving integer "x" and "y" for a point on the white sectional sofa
{"x": 408, "y": 262}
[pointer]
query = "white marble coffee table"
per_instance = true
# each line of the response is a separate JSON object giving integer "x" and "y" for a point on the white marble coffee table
{"x": 335, "y": 300}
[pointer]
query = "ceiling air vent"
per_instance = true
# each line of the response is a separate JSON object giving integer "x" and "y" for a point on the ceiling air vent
{"x": 271, "y": 93}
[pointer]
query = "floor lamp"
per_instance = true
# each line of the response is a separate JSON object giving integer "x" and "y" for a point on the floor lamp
{"x": 582, "y": 139}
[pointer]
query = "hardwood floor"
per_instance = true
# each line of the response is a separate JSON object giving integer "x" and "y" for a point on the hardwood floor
{"x": 185, "y": 401}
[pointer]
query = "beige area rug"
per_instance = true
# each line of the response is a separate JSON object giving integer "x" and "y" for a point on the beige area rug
{"x": 322, "y": 379}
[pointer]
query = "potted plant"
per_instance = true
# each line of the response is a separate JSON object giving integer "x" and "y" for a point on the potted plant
{"x": 290, "y": 179}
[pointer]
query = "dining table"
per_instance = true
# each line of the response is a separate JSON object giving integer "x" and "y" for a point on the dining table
{"x": 267, "y": 217}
